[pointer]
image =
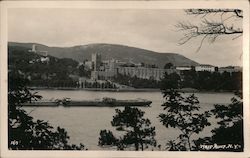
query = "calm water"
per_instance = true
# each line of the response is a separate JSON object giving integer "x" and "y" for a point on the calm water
{"x": 84, "y": 123}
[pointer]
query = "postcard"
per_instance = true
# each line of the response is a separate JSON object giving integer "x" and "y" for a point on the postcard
{"x": 124, "y": 79}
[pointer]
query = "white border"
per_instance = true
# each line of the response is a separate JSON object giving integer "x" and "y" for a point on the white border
{"x": 244, "y": 5}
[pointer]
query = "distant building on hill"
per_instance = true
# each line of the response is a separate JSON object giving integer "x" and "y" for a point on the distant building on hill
{"x": 230, "y": 69}
{"x": 44, "y": 59}
{"x": 44, "y": 54}
{"x": 183, "y": 68}
{"x": 205, "y": 67}
{"x": 33, "y": 48}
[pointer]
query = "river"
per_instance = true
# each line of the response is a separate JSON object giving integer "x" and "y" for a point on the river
{"x": 83, "y": 124}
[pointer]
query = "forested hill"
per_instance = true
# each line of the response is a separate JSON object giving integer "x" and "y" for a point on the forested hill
{"x": 109, "y": 51}
{"x": 56, "y": 72}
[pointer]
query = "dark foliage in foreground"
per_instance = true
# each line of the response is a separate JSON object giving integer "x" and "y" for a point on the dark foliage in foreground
{"x": 230, "y": 131}
{"x": 107, "y": 138}
{"x": 138, "y": 130}
{"x": 183, "y": 114}
{"x": 25, "y": 133}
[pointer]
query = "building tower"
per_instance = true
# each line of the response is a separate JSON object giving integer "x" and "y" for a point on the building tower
{"x": 96, "y": 64}
{"x": 33, "y": 48}
{"x": 96, "y": 59}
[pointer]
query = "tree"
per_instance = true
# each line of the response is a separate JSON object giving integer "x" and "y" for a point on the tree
{"x": 138, "y": 130}
{"x": 183, "y": 113}
{"x": 170, "y": 81}
{"x": 224, "y": 22}
{"x": 83, "y": 72}
{"x": 189, "y": 79}
{"x": 24, "y": 132}
{"x": 135, "y": 81}
{"x": 230, "y": 131}
{"x": 107, "y": 138}
{"x": 168, "y": 66}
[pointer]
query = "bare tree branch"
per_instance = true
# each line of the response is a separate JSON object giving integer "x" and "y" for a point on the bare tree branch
{"x": 209, "y": 29}
{"x": 205, "y": 12}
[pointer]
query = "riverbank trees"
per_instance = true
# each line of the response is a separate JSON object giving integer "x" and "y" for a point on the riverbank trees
{"x": 135, "y": 81}
{"x": 200, "y": 80}
{"x": 205, "y": 81}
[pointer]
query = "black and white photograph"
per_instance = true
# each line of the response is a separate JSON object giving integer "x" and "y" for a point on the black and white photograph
{"x": 126, "y": 79}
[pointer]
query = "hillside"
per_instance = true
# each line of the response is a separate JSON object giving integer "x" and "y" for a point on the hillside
{"x": 109, "y": 51}
{"x": 53, "y": 73}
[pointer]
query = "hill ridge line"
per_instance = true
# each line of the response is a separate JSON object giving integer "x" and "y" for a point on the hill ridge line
{"x": 115, "y": 51}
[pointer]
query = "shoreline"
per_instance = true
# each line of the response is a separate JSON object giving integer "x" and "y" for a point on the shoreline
{"x": 185, "y": 90}
{"x": 98, "y": 89}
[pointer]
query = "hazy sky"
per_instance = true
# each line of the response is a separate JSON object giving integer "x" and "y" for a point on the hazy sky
{"x": 148, "y": 29}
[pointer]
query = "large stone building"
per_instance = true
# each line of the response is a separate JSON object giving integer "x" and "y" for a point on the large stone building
{"x": 103, "y": 75}
{"x": 205, "y": 67}
{"x": 145, "y": 73}
{"x": 230, "y": 69}
{"x": 183, "y": 68}
{"x": 111, "y": 68}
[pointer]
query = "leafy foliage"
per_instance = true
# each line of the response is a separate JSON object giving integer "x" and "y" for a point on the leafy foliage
{"x": 168, "y": 66}
{"x": 107, "y": 138}
{"x": 84, "y": 72}
{"x": 170, "y": 81}
{"x": 175, "y": 146}
{"x": 182, "y": 113}
{"x": 24, "y": 132}
{"x": 230, "y": 131}
{"x": 231, "y": 113}
{"x": 138, "y": 130}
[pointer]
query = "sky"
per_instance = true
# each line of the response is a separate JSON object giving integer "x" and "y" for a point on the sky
{"x": 152, "y": 29}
